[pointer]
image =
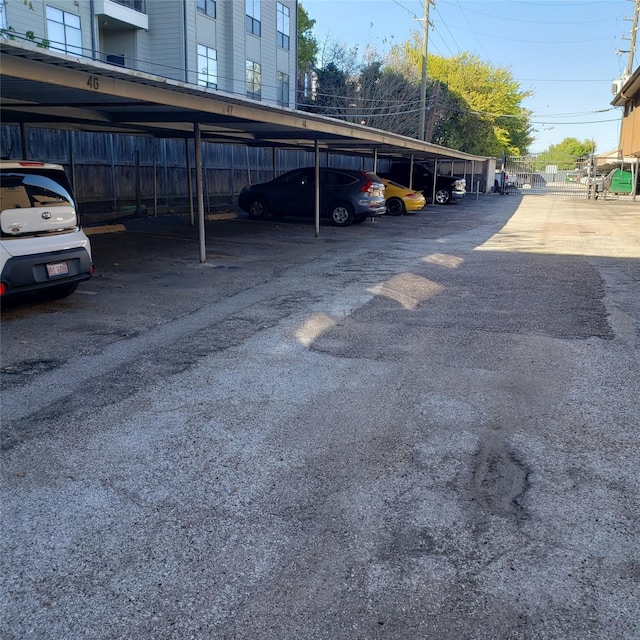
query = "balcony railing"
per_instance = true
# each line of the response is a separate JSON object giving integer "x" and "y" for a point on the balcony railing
{"x": 137, "y": 5}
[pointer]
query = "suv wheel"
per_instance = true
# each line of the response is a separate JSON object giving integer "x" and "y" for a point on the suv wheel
{"x": 341, "y": 214}
{"x": 258, "y": 209}
{"x": 442, "y": 196}
{"x": 395, "y": 207}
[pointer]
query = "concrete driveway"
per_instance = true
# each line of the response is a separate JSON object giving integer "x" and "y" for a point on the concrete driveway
{"x": 423, "y": 427}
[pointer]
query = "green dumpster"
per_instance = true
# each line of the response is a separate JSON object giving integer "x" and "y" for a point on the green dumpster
{"x": 621, "y": 181}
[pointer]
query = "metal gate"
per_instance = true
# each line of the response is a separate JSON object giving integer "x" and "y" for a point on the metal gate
{"x": 551, "y": 175}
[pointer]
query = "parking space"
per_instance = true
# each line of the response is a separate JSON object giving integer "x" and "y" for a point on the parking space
{"x": 148, "y": 272}
{"x": 423, "y": 425}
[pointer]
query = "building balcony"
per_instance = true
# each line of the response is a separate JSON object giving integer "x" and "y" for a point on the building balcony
{"x": 119, "y": 14}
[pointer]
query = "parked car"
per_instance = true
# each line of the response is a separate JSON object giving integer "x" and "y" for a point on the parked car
{"x": 448, "y": 188}
{"x": 42, "y": 246}
{"x": 401, "y": 199}
{"x": 346, "y": 195}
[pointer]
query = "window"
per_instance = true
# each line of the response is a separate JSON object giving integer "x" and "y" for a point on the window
{"x": 254, "y": 80}
{"x": 253, "y": 16}
{"x": 114, "y": 58}
{"x": 335, "y": 178}
{"x": 63, "y": 31}
{"x": 208, "y": 7}
{"x": 296, "y": 178}
{"x": 283, "y": 26}
{"x": 283, "y": 89}
{"x": 207, "y": 67}
{"x": 3, "y": 14}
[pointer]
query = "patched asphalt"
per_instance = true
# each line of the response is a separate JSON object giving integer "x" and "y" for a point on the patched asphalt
{"x": 419, "y": 427}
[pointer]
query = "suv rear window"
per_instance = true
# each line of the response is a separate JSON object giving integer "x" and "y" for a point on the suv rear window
{"x": 23, "y": 189}
{"x": 336, "y": 178}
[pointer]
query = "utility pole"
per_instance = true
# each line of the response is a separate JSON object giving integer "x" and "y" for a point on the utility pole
{"x": 630, "y": 61}
{"x": 432, "y": 111}
{"x": 423, "y": 86}
{"x": 634, "y": 31}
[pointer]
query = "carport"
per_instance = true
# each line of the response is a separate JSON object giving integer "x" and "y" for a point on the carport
{"x": 42, "y": 88}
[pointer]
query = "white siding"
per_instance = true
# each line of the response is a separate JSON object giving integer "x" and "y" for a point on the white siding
{"x": 165, "y": 39}
{"x": 238, "y": 51}
{"x": 22, "y": 19}
{"x": 225, "y": 37}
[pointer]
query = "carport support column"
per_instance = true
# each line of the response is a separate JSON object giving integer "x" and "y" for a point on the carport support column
{"x": 435, "y": 180}
{"x": 199, "y": 187}
{"x": 411, "y": 172}
{"x": 317, "y": 187}
{"x": 189, "y": 181}
{"x": 24, "y": 141}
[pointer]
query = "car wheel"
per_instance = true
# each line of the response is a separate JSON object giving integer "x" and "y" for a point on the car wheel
{"x": 442, "y": 196}
{"x": 258, "y": 209}
{"x": 58, "y": 292}
{"x": 395, "y": 207}
{"x": 341, "y": 214}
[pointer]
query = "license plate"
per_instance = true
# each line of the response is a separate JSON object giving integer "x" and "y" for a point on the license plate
{"x": 57, "y": 269}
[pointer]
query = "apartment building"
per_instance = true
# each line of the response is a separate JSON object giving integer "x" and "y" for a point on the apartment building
{"x": 243, "y": 47}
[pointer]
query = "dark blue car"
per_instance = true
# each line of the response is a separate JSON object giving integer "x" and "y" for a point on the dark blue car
{"x": 346, "y": 195}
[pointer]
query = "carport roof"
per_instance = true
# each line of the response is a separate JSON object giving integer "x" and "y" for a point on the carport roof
{"x": 55, "y": 90}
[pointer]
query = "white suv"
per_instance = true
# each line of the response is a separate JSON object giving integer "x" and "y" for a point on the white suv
{"x": 42, "y": 247}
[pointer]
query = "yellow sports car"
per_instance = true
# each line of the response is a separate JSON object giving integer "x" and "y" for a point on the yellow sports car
{"x": 401, "y": 199}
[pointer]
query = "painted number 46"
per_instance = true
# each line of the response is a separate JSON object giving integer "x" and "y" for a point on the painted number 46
{"x": 93, "y": 83}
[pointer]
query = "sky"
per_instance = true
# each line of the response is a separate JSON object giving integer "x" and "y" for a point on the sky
{"x": 567, "y": 53}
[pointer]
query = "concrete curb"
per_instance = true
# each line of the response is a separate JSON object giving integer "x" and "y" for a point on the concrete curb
{"x": 221, "y": 216}
{"x": 106, "y": 228}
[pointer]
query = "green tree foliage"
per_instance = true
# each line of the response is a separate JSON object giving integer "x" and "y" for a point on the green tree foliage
{"x": 307, "y": 44}
{"x": 470, "y": 105}
{"x": 566, "y": 155}
{"x": 481, "y": 108}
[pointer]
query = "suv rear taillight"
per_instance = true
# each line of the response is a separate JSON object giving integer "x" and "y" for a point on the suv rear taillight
{"x": 367, "y": 185}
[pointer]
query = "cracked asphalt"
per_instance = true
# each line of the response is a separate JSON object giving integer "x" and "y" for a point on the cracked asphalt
{"x": 422, "y": 427}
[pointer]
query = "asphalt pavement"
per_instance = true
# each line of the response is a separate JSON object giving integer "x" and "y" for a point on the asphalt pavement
{"x": 422, "y": 427}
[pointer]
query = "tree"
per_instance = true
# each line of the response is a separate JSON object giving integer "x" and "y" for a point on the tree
{"x": 480, "y": 110}
{"x": 307, "y": 44}
{"x": 566, "y": 155}
{"x": 387, "y": 100}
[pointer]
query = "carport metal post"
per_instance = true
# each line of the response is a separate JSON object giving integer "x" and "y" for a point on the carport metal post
{"x": 435, "y": 180}
{"x": 112, "y": 160}
{"x": 138, "y": 179}
{"x": 199, "y": 187}
{"x": 24, "y": 141}
{"x": 473, "y": 176}
{"x": 411, "y": 172}
{"x": 189, "y": 182}
{"x": 317, "y": 187}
